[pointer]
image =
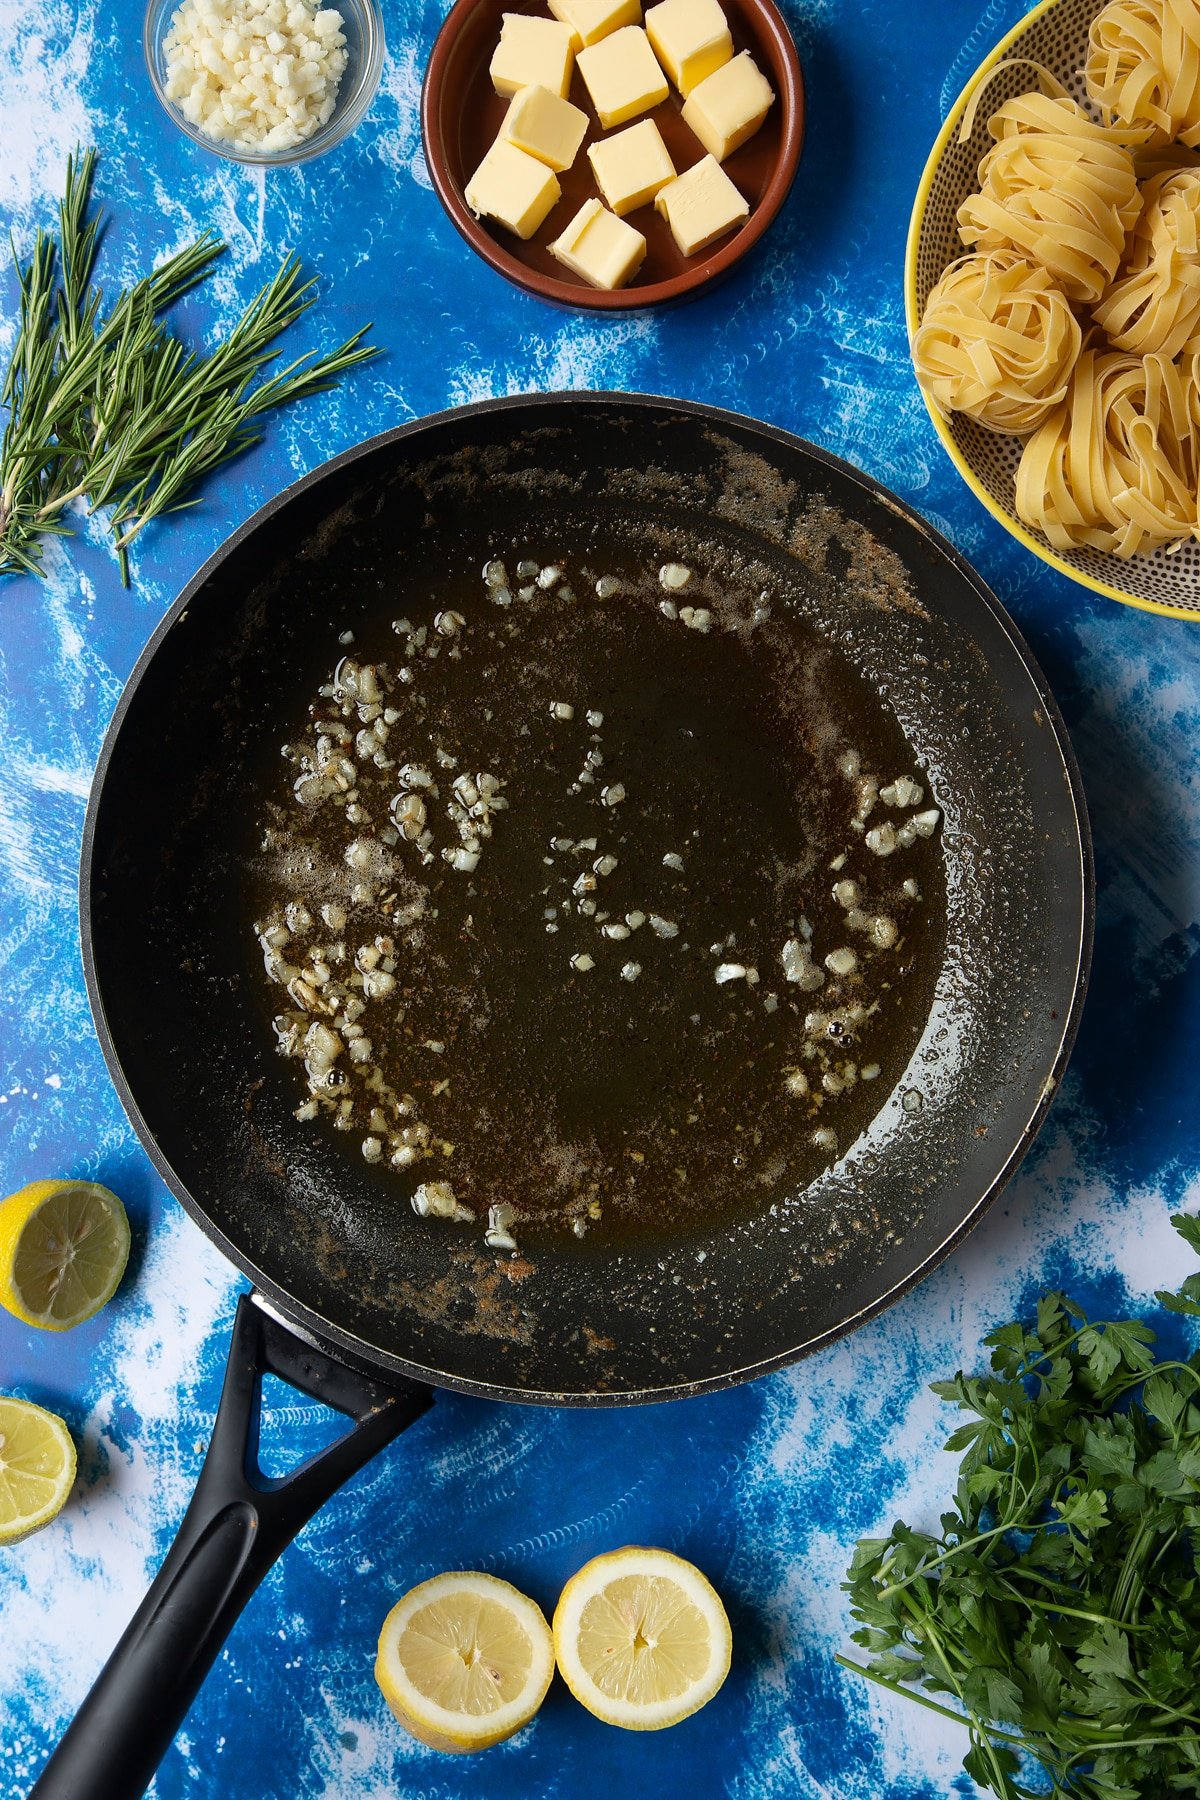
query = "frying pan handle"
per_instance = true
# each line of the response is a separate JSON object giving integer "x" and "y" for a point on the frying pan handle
{"x": 238, "y": 1523}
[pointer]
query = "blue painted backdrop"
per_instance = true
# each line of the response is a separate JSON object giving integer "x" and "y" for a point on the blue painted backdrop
{"x": 766, "y": 1487}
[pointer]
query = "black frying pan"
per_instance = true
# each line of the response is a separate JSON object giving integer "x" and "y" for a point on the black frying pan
{"x": 354, "y": 1301}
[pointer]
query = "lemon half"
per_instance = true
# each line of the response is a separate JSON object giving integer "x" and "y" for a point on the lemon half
{"x": 464, "y": 1661}
{"x": 641, "y": 1637}
{"x": 63, "y": 1250}
{"x": 37, "y": 1467}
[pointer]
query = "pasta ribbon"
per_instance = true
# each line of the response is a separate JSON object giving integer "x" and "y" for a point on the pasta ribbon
{"x": 1056, "y": 188}
{"x": 1114, "y": 467}
{"x": 1143, "y": 68}
{"x": 997, "y": 341}
{"x": 1155, "y": 303}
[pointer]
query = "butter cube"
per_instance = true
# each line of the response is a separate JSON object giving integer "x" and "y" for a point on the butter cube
{"x": 700, "y": 205}
{"x": 690, "y": 39}
{"x": 599, "y": 247}
{"x": 622, "y": 76}
{"x": 514, "y": 189}
{"x": 632, "y": 166}
{"x": 591, "y": 20}
{"x": 729, "y": 106}
{"x": 532, "y": 53}
{"x": 545, "y": 126}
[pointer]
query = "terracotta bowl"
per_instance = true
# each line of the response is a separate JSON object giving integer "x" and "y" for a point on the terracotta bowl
{"x": 461, "y": 114}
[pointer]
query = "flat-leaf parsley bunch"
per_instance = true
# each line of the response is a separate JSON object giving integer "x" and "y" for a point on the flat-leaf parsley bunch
{"x": 1059, "y": 1606}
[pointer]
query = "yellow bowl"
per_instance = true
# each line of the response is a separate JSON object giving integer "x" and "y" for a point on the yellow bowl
{"x": 1054, "y": 34}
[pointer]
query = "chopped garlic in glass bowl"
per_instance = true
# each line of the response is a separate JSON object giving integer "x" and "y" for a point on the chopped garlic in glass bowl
{"x": 264, "y": 81}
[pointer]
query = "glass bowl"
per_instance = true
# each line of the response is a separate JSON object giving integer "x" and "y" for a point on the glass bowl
{"x": 362, "y": 26}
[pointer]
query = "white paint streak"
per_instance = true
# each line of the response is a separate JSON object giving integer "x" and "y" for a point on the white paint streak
{"x": 398, "y": 145}
{"x": 576, "y": 356}
{"x": 46, "y": 47}
{"x": 104, "y": 1544}
{"x": 49, "y": 780}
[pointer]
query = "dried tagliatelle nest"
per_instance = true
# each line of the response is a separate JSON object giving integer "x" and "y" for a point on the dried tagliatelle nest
{"x": 1056, "y": 187}
{"x": 1115, "y": 465}
{"x": 1075, "y": 323}
{"x": 998, "y": 341}
{"x": 1143, "y": 69}
{"x": 1155, "y": 305}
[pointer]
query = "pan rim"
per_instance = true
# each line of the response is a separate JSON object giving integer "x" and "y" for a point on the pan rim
{"x": 336, "y": 1338}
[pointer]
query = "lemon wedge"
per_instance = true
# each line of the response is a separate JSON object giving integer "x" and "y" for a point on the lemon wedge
{"x": 464, "y": 1661}
{"x": 641, "y": 1637}
{"x": 37, "y": 1467}
{"x": 63, "y": 1249}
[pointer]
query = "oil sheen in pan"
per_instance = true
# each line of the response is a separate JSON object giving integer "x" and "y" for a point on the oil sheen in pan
{"x": 597, "y": 893}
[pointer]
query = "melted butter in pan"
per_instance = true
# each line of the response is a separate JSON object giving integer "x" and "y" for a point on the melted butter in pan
{"x": 598, "y": 903}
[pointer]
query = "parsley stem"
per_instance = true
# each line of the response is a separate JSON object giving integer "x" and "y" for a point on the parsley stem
{"x": 947, "y": 1712}
{"x": 1057, "y": 1606}
{"x": 1052, "y": 1355}
{"x": 1143, "y": 1376}
{"x": 1171, "y": 1712}
{"x": 1124, "y": 1596}
{"x": 980, "y": 1730}
{"x": 1122, "y": 1742}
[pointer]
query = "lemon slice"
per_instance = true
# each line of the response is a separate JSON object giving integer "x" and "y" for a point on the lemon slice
{"x": 37, "y": 1467}
{"x": 641, "y": 1638}
{"x": 63, "y": 1249}
{"x": 464, "y": 1661}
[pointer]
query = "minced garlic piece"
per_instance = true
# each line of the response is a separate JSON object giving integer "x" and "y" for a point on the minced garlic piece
{"x": 255, "y": 76}
{"x": 437, "y": 1200}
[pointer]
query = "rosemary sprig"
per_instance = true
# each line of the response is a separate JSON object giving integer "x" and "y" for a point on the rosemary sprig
{"x": 109, "y": 407}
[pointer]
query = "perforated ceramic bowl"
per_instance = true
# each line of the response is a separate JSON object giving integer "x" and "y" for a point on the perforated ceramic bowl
{"x": 1055, "y": 35}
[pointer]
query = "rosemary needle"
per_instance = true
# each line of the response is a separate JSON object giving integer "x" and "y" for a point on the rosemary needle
{"x": 106, "y": 406}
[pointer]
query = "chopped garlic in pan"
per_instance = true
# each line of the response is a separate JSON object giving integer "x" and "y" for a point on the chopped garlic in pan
{"x": 475, "y": 821}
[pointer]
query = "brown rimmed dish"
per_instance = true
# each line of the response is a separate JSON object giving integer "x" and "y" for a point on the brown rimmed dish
{"x": 461, "y": 115}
